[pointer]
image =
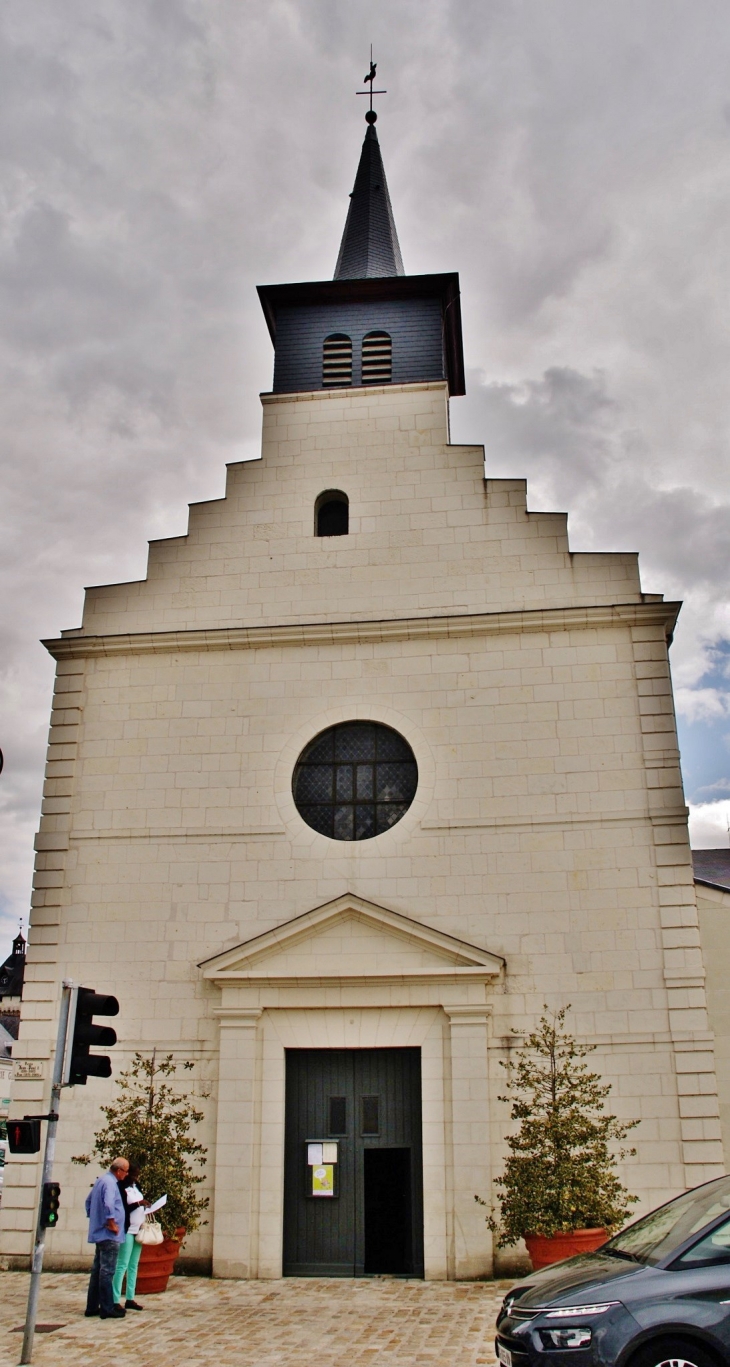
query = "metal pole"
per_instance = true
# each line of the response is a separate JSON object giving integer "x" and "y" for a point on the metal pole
{"x": 39, "y": 1249}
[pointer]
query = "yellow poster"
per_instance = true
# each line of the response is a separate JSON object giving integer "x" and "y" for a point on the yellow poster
{"x": 323, "y": 1180}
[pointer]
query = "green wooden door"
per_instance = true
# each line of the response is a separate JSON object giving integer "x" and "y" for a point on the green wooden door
{"x": 368, "y": 1102}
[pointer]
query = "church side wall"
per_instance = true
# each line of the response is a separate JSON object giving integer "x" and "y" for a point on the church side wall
{"x": 684, "y": 968}
{"x": 713, "y": 905}
{"x": 46, "y": 951}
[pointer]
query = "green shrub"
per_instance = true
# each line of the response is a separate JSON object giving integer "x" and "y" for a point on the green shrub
{"x": 150, "y": 1124}
{"x": 560, "y": 1173}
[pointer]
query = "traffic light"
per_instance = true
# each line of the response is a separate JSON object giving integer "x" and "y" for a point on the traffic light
{"x": 24, "y": 1136}
{"x": 50, "y": 1201}
{"x": 80, "y": 1063}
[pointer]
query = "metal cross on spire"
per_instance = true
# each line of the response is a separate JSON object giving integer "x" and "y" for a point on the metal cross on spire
{"x": 371, "y": 116}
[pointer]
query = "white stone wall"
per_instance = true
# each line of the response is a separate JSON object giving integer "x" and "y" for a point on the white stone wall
{"x": 549, "y": 826}
{"x": 713, "y": 905}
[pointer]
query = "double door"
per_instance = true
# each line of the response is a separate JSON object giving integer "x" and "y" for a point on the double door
{"x": 353, "y": 1186}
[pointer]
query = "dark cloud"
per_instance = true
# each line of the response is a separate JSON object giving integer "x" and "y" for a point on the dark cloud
{"x": 569, "y": 436}
{"x": 159, "y": 160}
{"x": 561, "y": 424}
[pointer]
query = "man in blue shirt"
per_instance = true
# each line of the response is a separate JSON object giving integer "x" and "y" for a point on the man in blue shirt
{"x": 105, "y": 1210}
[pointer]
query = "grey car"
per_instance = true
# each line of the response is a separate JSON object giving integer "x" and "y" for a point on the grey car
{"x": 656, "y": 1295}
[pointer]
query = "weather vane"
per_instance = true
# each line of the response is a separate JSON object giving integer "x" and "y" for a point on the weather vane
{"x": 371, "y": 116}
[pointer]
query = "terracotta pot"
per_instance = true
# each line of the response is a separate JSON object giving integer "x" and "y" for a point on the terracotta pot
{"x": 156, "y": 1264}
{"x": 544, "y": 1251}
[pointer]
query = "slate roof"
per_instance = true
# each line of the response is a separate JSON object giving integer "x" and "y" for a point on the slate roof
{"x": 713, "y": 867}
{"x": 369, "y": 244}
{"x": 10, "y": 1022}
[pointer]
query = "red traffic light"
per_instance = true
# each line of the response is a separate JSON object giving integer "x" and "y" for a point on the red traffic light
{"x": 24, "y": 1136}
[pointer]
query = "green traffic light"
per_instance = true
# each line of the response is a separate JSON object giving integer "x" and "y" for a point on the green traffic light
{"x": 50, "y": 1201}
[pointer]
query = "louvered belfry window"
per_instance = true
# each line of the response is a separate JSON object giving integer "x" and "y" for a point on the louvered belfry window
{"x": 377, "y": 358}
{"x": 337, "y": 361}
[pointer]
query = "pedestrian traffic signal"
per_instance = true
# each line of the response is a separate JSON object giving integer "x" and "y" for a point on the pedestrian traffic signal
{"x": 80, "y": 1063}
{"x": 50, "y": 1201}
{"x": 24, "y": 1136}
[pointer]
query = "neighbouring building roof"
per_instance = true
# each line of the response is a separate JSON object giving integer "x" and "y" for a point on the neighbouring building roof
{"x": 369, "y": 244}
{"x": 713, "y": 867}
{"x": 10, "y": 1021}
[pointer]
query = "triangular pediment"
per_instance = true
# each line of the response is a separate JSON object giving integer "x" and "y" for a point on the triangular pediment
{"x": 351, "y": 938}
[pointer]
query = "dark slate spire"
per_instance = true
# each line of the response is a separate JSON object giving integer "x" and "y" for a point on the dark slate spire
{"x": 369, "y": 244}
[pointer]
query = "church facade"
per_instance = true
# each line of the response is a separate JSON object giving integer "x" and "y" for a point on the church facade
{"x": 368, "y": 768}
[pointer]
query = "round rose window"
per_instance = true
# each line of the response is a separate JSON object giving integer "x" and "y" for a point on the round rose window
{"x": 355, "y": 780}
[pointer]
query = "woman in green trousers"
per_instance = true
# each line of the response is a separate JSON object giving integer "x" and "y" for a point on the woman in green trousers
{"x": 130, "y": 1251}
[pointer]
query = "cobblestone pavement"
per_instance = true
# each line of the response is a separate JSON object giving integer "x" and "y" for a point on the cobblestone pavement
{"x": 291, "y": 1323}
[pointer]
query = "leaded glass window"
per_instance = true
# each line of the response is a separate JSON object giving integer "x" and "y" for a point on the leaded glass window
{"x": 355, "y": 780}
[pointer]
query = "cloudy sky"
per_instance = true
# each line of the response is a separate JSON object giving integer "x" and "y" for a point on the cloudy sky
{"x": 570, "y": 159}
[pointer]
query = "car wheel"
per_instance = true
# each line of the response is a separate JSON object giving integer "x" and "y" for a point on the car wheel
{"x": 673, "y": 1353}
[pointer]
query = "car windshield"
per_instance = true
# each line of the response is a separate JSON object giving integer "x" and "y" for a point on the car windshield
{"x": 656, "y": 1236}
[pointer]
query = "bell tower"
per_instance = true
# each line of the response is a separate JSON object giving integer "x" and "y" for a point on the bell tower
{"x": 372, "y": 324}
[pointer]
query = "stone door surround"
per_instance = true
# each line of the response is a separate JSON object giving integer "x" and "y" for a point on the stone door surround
{"x": 347, "y": 975}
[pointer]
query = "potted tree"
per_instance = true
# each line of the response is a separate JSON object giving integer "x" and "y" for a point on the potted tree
{"x": 559, "y": 1190}
{"x": 151, "y": 1123}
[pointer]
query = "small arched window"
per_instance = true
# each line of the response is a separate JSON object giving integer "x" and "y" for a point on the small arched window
{"x": 337, "y": 361}
{"x": 332, "y": 513}
{"x": 377, "y": 358}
